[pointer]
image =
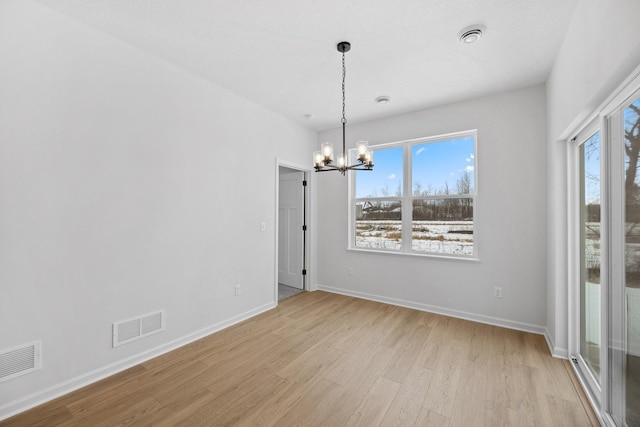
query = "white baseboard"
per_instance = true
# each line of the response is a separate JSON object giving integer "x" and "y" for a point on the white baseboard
{"x": 25, "y": 403}
{"x": 480, "y": 318}
{"x": 559, "y": 352}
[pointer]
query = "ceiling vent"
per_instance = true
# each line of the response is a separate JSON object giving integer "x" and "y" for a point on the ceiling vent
{"x": 471, "y": 34}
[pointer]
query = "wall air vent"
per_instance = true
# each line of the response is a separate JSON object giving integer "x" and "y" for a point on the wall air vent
{"x": 20, "y": 360}
{"x": 138, "y": 327}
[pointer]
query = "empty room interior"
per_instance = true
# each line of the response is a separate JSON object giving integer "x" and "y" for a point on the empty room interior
{"x": 319, "y": 213}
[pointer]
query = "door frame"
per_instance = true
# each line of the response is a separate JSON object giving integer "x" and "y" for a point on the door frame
{"x": 307, "y": 219}
{"x": 596, "y": 389}
{"x": 612, "y": 222}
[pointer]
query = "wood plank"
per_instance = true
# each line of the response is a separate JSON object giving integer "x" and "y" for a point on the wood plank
{"x": 312, "y": 407}
{"x": 176, "y": 412}
{"x": 274, "y": 407}
{"x": 428, "y": 418}
{"x": 357, "y": 380}
{"x": 406, "y": 406}
{"x": 375, "y": 405}
{"x": 406, "y": 352}
{"x": 314, "y": 362}
{"x": 330, "y": 360}
{"x": 571, "y": 413}
{"x": 584, "y": 400}
{"x": 499, "y": 416}
{"x": 440, "y": 397}
{"x": 469, "y": 407}
{"x": 528, "y": 398}
{"x": 45, "y": 416}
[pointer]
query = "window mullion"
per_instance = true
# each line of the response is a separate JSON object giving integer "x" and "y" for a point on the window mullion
{"x": 407, "y": 205}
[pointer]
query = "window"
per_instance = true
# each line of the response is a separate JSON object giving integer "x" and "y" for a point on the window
{"x": 418, "y": 199}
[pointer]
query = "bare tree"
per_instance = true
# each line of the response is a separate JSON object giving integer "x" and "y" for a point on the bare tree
{"x": 445, "y": 189}
{"x": 417, "y": 188}
{"x": 632, "y": 151}
{"x": 463, "y": 185}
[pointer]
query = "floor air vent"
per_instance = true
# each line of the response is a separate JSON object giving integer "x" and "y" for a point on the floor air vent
{"x": 20, "y": 360}
{"x": 133, "y": 329}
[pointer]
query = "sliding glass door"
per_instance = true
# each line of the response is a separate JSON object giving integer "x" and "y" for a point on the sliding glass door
{"x": 606, "y": 267}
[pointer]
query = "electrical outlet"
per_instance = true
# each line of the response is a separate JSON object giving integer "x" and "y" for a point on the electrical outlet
{"x": 350, "y": 271}
{"x": 497, "y": 292}
{"x": 237, "y": 290}
{"x": 263, "y": 226}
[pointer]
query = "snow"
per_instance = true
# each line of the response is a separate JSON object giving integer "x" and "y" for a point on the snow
{"x": 441, "y": 237}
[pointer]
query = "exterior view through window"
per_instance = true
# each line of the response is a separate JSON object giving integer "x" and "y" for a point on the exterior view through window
{"x": 419, "y": 198}
{"x": 631, "y": 118}
{"x": 590, "y": 253}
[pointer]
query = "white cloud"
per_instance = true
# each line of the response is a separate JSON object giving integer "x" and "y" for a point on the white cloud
{"x": 392, "y": 176}
{"x": 472, "y": 155}
{"x": 468, "y": 169}
{"x": 468, "y": 160}
{"x": 420, "y": 150}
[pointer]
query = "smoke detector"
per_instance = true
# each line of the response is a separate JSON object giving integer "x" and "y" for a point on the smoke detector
{"x": 471, "y": 34}
{"x": 384, "y": 99}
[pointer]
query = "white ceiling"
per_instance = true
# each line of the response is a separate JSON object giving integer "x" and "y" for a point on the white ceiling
{"x": 282, "y": 53}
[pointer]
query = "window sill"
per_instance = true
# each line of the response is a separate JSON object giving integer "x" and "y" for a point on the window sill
{"x": 415, "y": 254}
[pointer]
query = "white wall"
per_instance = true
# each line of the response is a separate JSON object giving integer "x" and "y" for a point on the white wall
{"x": 127, "y": 185}
{"x": 601, "y": 48}
{"x": 510, "y": 217}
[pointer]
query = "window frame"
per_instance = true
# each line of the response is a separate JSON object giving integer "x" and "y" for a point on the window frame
{"x": 407, "y": 198}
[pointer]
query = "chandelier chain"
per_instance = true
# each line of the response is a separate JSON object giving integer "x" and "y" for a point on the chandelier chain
{"x": 344, "y": 75}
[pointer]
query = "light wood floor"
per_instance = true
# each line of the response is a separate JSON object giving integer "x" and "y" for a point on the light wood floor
{"x": 331, "y": 360}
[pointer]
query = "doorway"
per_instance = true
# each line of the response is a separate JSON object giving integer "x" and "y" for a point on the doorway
{"x": 292, "y": 185}
{"x": 605, "y": 342}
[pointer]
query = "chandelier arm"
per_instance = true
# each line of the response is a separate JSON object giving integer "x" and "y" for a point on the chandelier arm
{"x": 360, "y": 168}
{"x": 328, "y": 169}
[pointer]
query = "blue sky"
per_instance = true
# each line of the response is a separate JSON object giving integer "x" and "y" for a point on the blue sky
{"x": 591, "y": 159}
{"x": 434, "y": 163}
{"x": 592, "y": 169}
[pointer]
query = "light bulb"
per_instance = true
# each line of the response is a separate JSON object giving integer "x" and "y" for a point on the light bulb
{"x": 362, "y": 150}
{"x": 369, "y": 158}
{"x": 317, "y": 159}
{"x": 327, "y": 152}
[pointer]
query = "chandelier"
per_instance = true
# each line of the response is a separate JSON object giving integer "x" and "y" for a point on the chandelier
{"x": 323, "y": 159}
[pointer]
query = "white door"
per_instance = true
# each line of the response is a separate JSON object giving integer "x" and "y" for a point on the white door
{"x": 290, "y": 234}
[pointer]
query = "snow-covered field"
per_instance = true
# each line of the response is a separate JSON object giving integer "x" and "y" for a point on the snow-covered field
{"x": 632, "y": 247}
{"x": 592, "y": 327}
{"x": 442, "y": 237}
